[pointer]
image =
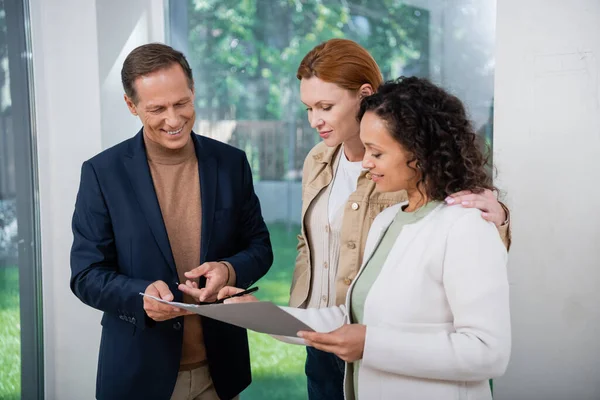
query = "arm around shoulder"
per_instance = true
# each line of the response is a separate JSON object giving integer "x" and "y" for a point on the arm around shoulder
{"x": 504, "y": 229}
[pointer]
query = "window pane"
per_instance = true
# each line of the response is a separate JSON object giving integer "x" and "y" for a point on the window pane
{"x": 10, "y": 335}
{"x": 21, "y": 372}
{"x": 245, "y": 54}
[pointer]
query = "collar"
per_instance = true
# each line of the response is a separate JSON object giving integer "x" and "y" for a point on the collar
{"x": 327, "y": 155}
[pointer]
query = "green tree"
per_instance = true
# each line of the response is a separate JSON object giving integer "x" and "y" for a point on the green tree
{"x": 245, "y": 54}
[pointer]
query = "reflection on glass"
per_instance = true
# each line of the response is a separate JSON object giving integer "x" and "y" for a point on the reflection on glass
{"x": 245, "y": 55}
{"x": 10, "y": 329}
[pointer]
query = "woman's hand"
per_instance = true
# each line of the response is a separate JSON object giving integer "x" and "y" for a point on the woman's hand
{"x": 347, "y": 342}
{"x": 485, "y": 201}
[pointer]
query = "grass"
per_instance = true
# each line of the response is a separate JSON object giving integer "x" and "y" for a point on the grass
{"x": 10, "y": 334}
{"x": 277, "y": 368}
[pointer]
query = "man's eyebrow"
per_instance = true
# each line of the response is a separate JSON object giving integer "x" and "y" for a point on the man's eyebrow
{"x": 182, "y": 100}
{"x": 151, "y": 106}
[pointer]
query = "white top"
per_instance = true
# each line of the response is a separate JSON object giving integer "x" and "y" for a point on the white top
{"x": 343, "y": 185}
{"x": 437, "y": 316}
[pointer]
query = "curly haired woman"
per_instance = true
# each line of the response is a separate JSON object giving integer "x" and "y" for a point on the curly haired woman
{"x": 427, "y": 316}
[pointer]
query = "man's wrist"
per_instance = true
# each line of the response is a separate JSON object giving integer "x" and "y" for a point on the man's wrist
{"x": 230, "y": 273}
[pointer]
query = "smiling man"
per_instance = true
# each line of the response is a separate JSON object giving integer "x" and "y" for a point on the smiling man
{"x": 153, "y": 212}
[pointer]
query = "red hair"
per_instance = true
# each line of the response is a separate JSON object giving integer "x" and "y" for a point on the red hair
{"x": 343, "y": 62}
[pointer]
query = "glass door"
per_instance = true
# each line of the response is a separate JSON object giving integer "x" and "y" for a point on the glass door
{"x": 21, "y": 374}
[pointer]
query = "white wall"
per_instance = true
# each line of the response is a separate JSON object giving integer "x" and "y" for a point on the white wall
{"x": 121, "y": 27}
{"x": 546, "y": 145}
{"x": 76, "y": 45}
{"x": 67, "y": 100}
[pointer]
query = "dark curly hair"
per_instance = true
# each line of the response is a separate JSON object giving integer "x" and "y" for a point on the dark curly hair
{"x": 432, "y": 125}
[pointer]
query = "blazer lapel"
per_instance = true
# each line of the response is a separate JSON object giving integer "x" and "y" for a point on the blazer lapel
{"x": 207, "y": 170}
{"x": 138, "y": 172}
{"x": 376, "y": 232}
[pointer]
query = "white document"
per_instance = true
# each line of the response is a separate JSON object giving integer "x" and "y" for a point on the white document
{"x": 262, "y": 316}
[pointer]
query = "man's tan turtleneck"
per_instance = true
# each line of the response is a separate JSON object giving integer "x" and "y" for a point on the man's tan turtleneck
{"x": 177, "y": 185}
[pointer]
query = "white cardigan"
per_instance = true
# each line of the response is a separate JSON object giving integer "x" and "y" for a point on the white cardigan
{"x": 437, "y": 316}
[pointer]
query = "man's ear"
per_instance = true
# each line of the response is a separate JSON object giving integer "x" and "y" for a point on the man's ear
{"x": 130, "y": 105}
{"x": 365, "y": 90}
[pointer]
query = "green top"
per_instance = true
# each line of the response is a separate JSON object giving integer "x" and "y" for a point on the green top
{"x": 370, "y": 272}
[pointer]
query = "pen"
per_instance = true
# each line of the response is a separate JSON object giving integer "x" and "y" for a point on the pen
{"x": 242, "y": 293}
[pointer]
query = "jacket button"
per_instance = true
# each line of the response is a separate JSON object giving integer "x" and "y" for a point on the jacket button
{"x": 355, "y": 206}
{"x": 177, "y": 325}
{"x": 347, "y": 281}
{"x": 133, "y": 320}
{"x": 351, "y": 245}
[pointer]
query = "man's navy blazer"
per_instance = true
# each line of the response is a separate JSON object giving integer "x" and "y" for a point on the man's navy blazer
{"x": 121, "y": 246}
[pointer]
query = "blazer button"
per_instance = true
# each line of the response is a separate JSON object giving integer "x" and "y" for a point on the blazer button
{"x": 177, "y": 325}
{"x": 355, "y": 206}
{"x": 347, "y": 281}
{"x": 351, "y": 245}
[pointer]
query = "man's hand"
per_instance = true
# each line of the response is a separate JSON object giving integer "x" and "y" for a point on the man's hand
{"x": 230, "y": 291}
{"x": 347, "y": 342}
{"x": 216, "y": 274}
{"x": 157, "y": 310}
{"x": 485, "y": 201}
